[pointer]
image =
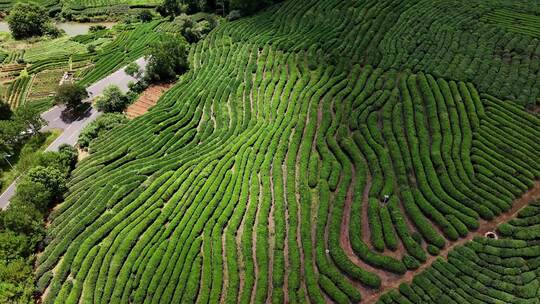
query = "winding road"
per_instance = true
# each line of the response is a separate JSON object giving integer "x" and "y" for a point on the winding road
{"x": 72, "y": 129}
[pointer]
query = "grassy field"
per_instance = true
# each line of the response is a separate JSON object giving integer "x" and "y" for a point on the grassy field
{"x": 315, "y": 152}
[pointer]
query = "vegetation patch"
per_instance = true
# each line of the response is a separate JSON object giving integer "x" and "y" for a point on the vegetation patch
{"x": 314, "y": 151}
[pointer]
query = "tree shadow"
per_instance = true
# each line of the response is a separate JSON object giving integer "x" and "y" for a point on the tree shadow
{"x": 81, "y": 112}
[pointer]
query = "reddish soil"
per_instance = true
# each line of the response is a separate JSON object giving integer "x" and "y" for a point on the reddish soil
{"x": 272, "y": 236}
{"x": 286, "y": 247}
{"x": 147, "y": 100}
{"x": 225, "y": 285}
{"x": 535, "y": 109}
{"x": 254, "y": 243}
{"x": 345, "y": 241}
{"x": 364, "y": 219}
{"x": 82, "y": 154}
{"x": 532, "y": 195}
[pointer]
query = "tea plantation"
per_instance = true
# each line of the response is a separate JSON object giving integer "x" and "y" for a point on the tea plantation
{"x": 484, "y": 270}
{"x": 316, "y": 152}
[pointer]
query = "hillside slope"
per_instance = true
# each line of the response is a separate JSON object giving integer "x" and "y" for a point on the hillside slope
{"x": 262, "y": 175}
{"x": 484, "y": 270}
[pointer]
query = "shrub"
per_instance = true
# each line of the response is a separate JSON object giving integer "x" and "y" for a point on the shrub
{"x": 99, "y": 126}
{"x": 91, "y": 48}
{"x": 145, "y": 16}
{"x": 133, "y": 70}
{"x": 71, "y": 95}
{"x": 167, "y": 57}
{"x": 28, "y": 19}
{"x": 5, "y": 110}
{"x": 96, "y": 28}
{"x": 112, "y": 100}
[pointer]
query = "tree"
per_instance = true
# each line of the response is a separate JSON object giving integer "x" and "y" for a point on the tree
{"x": 167, "y": 57}
{"x": 133, "y": 70}
{"x": 71, "y": 95}
{"x": 145, "y": 16}
{"x": 5, "y": 111}
{"x": 191, "y": 30}
{"x": 16, "y": 282}
{"x": 34, "y": 193}
{"x": 9, "y": 134}
{"x": 99, "y": 126}
{"x": 171, "y": 8}
{"x": 14, "y": 245}
{"x": 22, "y": 218}
{"x": 112, "y": 100}
{"x": 28, "y": 19}
{"x": 70, "y": 154}
{"x": 63, "y": 160}
{"x": 30, "y": 117}
{"x": 52, "y": 178}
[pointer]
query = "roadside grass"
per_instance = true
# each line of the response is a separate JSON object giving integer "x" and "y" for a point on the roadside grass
{"x": 25, "y": 157}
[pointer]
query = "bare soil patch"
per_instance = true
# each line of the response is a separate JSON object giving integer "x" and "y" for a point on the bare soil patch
{"x": 148, "y": 99}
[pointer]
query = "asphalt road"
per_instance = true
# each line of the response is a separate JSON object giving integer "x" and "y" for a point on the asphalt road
{"x": 72, "y": 129}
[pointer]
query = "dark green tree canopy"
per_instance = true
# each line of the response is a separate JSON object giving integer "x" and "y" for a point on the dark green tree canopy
{"x": 28, "y": 19}
{"x": 112, "y": 100}
{"x": 99, "y": 126}
{"x": 9, "y": 132}
{"x": 30, "y": 117}
{"x": 52, "y": 178}
{"x": 14, "y": 245}
{"x": 22, "y": 218}
{"x": 167, "y": 57}
{"x": 5, "y": 110}
{"x": 71, "y": 95}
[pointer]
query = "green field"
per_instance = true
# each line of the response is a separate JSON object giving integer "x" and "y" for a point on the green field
{"x": 483, "y": 270}
{"x": 312, "y": 153}
{"x": 50, "y": 4}
{"x": 32, "y": 71}
{"x": 87, "y": 7}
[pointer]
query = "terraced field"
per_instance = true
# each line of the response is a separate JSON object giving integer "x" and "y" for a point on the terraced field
{"x": 88, "y": 7}
{"x": 99, "y": 3}
{"x": 484, "y": 270}
{"x": 128, "y": 46}
{"x": 314, "y": 153}
{"x": 45, "y": 62}
{"x": 49, "y": 4}
{"x": 146, "y": 100}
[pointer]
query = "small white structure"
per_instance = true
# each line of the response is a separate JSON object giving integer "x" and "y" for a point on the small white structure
{"x": 491, "y": 235}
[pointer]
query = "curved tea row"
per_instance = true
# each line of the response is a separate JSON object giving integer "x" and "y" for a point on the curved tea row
{"x": 274, "y": 172}
{"x": 483, "y": 270}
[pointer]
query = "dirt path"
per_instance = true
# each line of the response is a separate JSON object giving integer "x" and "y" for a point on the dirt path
{"x": 345, "y": 242}
{"x": 485, "y": 226}
{"x": 365, "y": 224}
{"x": 271, "y": 236}
{"x": 258, "y": 201}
